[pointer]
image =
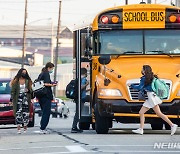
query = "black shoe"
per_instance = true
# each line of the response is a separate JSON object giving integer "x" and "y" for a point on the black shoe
{"x": 76, "y": 130}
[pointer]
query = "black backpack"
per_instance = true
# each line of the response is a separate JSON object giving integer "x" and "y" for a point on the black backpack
{"x": 72, "y": 89}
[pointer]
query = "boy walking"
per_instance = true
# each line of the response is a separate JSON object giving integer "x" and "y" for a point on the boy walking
{"x": 84, "y": 98}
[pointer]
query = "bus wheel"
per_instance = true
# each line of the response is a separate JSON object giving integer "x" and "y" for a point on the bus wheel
{"x": 101, "y": 124}
{"x": 157, "y": 126}
{"x": 84, "y": 125}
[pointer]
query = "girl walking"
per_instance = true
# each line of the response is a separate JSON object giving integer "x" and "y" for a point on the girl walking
{"x": 21, "y": 98}
{"x": 153, "y": 100}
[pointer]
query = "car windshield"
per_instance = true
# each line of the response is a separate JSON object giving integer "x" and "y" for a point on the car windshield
{"x": 131, "y": 42}
{"x": 4, "y": 87}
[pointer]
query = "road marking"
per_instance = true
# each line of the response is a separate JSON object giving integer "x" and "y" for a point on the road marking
{"x": 32, "y": 148}
{"x": 80, "y": 149}
{"x": 76, "y": 148}
{"x": 71, "y": 149}
{"x": 120, "y": 145}
{"x": 139, "y": 151}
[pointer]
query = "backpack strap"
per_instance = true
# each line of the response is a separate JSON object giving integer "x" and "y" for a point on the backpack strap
{"x": 40, "y": 76}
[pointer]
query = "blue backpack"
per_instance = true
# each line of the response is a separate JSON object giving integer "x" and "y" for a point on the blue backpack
{"x": 160, "y": 88}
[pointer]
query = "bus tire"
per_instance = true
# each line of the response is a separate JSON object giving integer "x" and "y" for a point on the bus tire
{"x": 84, "y": 125}
{"x": 102, "y": 123}
{"x": 157, "y": 126}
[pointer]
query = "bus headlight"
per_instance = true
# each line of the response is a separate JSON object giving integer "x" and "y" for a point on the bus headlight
{"x": 178, "y": 93}
{"x": 110, "y": 92}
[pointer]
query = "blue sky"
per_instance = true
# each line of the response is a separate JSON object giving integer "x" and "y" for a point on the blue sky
{"x": 40, "y": 11}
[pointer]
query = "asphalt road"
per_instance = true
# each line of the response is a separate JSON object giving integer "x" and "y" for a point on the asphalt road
{"x": 60, "y": 140}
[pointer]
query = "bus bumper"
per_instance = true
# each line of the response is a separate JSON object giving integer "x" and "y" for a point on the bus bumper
{"x": 122, "y": 108}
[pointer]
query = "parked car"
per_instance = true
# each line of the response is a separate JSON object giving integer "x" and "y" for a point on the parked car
{"x": 63, "y": 109}
{"x": 58, "y": 107}
{"x": 37, "y": 107}
{"x": 6, "y": 110}
{"x": 54, "y": 108}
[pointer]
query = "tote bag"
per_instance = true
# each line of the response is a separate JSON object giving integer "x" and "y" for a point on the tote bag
{"x": 38, "y": 88}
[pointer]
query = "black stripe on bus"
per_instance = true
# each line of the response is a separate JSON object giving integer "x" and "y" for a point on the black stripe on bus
{"x": 111, "y": 25}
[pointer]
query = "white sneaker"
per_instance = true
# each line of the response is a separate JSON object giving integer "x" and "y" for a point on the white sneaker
{"x": 44, "y": 132}
{"x": 173, "y": 129}
{"x": 19, "y": 132}
{"x": 138, "y": 131}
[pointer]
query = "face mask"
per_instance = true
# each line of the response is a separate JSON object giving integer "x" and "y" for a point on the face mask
{"x": 50, "y": 71}
{"x": 23, "y": 75}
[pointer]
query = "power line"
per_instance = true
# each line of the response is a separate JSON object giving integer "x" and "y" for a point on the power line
{"x": 32, "y": 11}
{"x": 43, "y": 1}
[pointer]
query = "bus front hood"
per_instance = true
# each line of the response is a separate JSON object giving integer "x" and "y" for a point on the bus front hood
{"x": 130, "y": 67}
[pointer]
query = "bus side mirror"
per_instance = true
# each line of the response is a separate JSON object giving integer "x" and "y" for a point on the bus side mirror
{"x": 104, "y": 60}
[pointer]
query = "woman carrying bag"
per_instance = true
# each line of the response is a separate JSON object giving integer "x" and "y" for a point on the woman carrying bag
{"x": 45, "y": 100}
{"x": 21, "y": 98}
{"x": 153, "y": 100}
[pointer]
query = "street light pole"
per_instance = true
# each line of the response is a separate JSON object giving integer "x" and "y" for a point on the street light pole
{"x": 24, "y": 35}
{"x": 57, "y": 47}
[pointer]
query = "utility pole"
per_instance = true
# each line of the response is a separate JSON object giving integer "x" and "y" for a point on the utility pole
{"x": 57, "y": 46}
{"x": 177, "y": 3}
{"x": 149, "y": 1}
{"x": 52, "y": 43}
{"x": 24, "y": 35}
{"x": 126, "y": 1}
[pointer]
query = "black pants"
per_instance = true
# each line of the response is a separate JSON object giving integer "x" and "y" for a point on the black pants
{"x": 45, "y": 104}
{"x": 76, "y": 116}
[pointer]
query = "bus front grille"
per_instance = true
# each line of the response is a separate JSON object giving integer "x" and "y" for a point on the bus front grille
{"x": 134, "y": 92}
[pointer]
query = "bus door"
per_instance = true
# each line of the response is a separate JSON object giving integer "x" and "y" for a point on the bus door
{"x": 84, "y": 107}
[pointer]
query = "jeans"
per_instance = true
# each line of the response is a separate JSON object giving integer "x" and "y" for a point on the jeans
{"x": 45, "y": 104}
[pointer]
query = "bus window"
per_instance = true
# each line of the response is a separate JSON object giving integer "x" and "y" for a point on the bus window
{"x": 119, "y": 42}
{"x": 83, "y": 43}
{"x": 166, "y": 41}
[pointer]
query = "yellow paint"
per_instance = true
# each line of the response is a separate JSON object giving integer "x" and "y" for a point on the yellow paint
{"x": 146, "y": 115}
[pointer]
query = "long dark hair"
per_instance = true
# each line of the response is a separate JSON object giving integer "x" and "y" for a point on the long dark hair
{"x": 48, "y": 65}
{"x": 149, "y": 75}
{"x": 19, "y": 75}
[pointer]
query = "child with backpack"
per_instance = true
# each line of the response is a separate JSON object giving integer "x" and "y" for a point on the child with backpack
{"x": 153, "y": 100}
{"x": 84, "y": 98}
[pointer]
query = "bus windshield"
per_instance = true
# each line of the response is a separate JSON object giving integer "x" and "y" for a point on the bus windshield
{"x": 131, "y": 42}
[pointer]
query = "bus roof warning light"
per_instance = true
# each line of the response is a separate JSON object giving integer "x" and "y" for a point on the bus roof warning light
{"x": 172, "y": 18}
{"x": 104, "y": 19}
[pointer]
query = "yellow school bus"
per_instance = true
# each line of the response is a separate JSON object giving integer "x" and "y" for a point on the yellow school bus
{"x": 116, "y": 44}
